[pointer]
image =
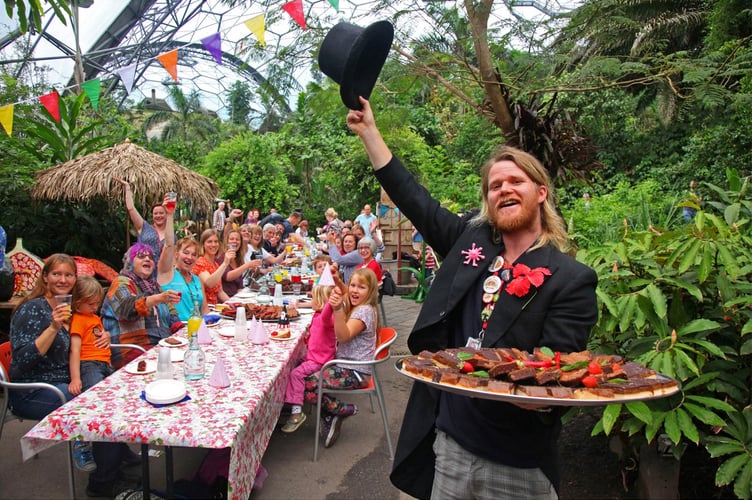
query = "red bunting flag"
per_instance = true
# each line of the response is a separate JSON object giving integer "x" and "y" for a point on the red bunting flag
{"x": 51, "y": 103}
{"x": 170, "y": 62}
{"x": 213, "y": 44}
{"x": 295, "y": 9}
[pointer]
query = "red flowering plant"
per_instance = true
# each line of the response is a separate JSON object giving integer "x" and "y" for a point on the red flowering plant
{"x": 524, "y": 277}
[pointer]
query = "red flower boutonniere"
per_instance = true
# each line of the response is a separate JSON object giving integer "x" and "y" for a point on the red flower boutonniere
{"x": 524, "y": 277}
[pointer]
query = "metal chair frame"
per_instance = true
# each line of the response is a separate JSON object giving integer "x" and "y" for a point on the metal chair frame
{"x": 385, "y": 338}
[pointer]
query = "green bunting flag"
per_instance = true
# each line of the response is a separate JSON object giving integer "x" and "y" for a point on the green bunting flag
{"x": 92, "y": 90}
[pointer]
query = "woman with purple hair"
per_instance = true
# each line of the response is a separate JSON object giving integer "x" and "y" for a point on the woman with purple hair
{"x": 136, "y": 310}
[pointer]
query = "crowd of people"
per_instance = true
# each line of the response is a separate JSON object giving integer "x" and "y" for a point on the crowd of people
{"x": 162, "y": 282}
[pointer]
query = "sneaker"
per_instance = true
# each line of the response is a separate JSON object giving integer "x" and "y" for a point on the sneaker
{"x": 326, "y": 424}
{"x": 333, "y": 434}
{"x": 294, "y": 422}
{"x": 348, "y": 410}
{"x": 83, "y": 457}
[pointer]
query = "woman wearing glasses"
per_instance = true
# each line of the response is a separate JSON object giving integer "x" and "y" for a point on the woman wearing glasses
{"x": 136, "y": 310}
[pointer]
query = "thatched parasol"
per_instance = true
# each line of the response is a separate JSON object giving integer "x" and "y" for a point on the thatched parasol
{"x": 149, "y": 174}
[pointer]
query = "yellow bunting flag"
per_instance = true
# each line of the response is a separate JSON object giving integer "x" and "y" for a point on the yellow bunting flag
{"x": 92, "y": 90}
{"x": 6, "y": 118}
{"x": 256, "y": 26}
{"x": 170, "y": 62}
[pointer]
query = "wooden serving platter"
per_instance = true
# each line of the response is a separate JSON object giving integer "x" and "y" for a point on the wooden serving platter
{"x": 581, "y": 396}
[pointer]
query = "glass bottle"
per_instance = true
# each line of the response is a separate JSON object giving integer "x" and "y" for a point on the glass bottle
{"x": 284, "y": 320}
{"x": 194, "y": 361}
{"x": 194, "y": 321}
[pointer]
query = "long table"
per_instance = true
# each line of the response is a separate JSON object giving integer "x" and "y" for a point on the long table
{"x": 241, "y": 417}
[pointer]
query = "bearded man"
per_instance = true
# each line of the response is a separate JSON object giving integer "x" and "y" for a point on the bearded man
{"x": 504, "y": 282}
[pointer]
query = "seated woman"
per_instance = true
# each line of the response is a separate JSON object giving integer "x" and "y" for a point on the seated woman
{"x": 210, "y": 266}
{"x": 355, "y": 325}
{"x": 175, "y": 272}
{"x": 273, "y": 243}
{"x": 367, "y": 251}
{"x": 253, "y": 236}
{"x": 232, "y": 278}
{"x": 40, "y": 344}
{"x": 348, "y": 258}
{"x": 135, "y": 309}
{"x": 360, "y": 233}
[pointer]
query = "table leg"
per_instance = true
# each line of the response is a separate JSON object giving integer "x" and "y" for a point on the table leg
{"x": 169, "y": 473}
{"x": 145, "y": 471}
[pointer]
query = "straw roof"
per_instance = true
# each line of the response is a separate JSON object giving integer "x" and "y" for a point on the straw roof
{"x": 149, "y": 174}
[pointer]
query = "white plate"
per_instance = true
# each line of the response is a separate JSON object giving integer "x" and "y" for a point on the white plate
{"x": 243, "y": 294}
{"x": 227, "y": 331}
{"x": 263, "y": 299}
{"x": 548, "y": 401}
{"x": 164, "y": 391}
{"x": 183, "y": 342}
{"x": 132, "y": 367}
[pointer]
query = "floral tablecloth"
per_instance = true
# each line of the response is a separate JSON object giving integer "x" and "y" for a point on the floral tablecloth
{"x": 241, "y": 417}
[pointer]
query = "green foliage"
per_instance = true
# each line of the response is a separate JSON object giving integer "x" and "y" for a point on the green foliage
{"x": 250, "y": 169}
{"x": 74, "y": 135}
{"x": 30, "y": 11}
{"x": 679, "y": 302}
{"x": 736, "y": 445}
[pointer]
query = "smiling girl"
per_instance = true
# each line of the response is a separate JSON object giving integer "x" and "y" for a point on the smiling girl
{"x": 355, "y": 325}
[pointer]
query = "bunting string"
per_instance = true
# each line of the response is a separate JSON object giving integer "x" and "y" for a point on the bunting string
{"x": 169, "y": 60}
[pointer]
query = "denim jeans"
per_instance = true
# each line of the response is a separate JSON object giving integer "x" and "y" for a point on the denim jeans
{"x": 93, "y": 372}
{"x": 35, "y": 404}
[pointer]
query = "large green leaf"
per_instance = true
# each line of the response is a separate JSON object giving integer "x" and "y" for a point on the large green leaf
{"x": 610, "y": 416}
{"x": 729, "y": 469}
{"x": 640, "y": 410}
{"x": 688, "y": 428}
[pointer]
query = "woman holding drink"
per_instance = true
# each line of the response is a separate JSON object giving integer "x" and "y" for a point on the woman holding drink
{"x": 136, "y": 310}
{"x": 152, "y": 235}
{"x": 175, "y": 272}
{"x": 40, "y": 344}
{"x": 232, "y": 278}
{"x": 210, "y": 266}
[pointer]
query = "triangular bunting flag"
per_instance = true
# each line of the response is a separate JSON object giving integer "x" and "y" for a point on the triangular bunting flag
{"x": 51, "y": 103}
{"x": 213, "y": 43}
{"x": 335, "y": 4}
{"x": 128, "y": 76}
{"x": 92, "y": 90}
{"x": 295, "y": 9}
{"x": 170, "y": 62}
{"x": 6, "y": 118}
{"x": 256, "y": 26}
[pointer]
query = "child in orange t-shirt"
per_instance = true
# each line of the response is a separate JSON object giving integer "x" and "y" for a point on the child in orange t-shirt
{"x": 88, "y": 364}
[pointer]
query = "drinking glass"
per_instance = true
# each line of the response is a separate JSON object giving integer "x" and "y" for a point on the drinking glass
{"x": 296, "y": 287}
{"x": 171, "y": 199}
{"x": 66, "y": 299}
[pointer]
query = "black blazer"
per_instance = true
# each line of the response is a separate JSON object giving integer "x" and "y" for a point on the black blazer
{"x": 558, "y": 315}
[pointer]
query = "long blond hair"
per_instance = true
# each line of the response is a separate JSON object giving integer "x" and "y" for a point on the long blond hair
{"x": 367, "y": 275}
{"x": 554, "y": 228}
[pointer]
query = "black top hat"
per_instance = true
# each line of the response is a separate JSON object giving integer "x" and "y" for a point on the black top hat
{"x": 353, "y": 57}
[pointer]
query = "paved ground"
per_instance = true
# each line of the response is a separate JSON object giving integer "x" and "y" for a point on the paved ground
{"x": 357, "y": 466}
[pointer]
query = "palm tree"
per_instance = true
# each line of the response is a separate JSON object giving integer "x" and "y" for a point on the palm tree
{"x": 188, "y": 119}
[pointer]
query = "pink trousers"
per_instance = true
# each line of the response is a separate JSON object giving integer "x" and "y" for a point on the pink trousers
{"x": 296, "y": 386}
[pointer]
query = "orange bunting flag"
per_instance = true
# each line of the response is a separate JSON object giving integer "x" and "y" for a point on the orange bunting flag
{"x": 256, "y": 26}
{"x": 6, "y": 118}
{"x": 92, "y": 90}
{"x": 51, "y": 103}
{"x": 170, "y": 62}
{"x": 295, "y": 9}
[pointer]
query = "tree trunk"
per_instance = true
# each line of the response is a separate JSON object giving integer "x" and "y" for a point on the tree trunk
{"x": 490, "y": 78}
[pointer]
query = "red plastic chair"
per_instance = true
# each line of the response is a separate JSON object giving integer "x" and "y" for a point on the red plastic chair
{"x": 384, "y": 339}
